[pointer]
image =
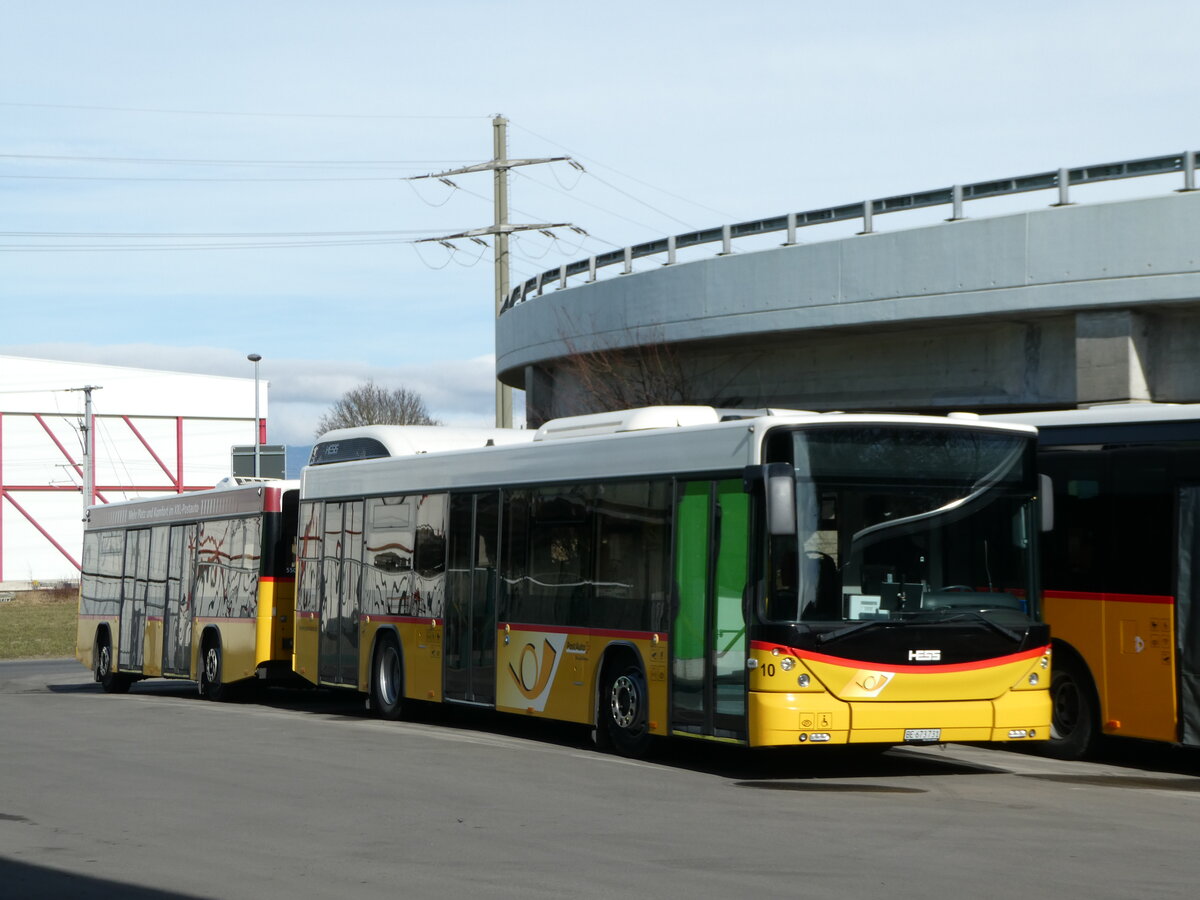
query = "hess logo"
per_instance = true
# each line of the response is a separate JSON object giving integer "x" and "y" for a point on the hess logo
{"x": 924, "y": 655}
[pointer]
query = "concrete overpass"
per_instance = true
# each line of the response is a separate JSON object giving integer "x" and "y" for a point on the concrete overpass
{"x": 1049, "y": 308}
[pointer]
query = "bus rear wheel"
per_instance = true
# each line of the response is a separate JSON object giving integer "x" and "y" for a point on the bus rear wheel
{"x": 624, "y": 703}
{"x": 387, "y": 680}
{"x": 106, "y": 674}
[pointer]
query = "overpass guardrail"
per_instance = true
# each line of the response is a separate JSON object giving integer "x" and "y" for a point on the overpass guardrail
{"x": 954, "y": 196}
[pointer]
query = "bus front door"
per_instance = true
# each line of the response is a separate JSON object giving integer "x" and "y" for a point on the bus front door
{"x": 470, "y": 639}
{"x": 177, "y": 615}
{"x": 708, "y": 637}
{"x": 133, "y": 599}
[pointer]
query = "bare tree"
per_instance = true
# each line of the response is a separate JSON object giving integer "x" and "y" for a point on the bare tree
{"x": 371, "y": 404}
{"x": 649, "y": 371}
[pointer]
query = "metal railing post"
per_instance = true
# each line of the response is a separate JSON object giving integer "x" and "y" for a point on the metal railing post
{"x": 868, "y": 214}
{"x": 628, "y": 270}
{"x": 591, "y": 269}
{"x": 726, "y": 240}
{"x": 1189, "y": 170}
{"x": 670, "y": 251}
{"x": 562, "y": 276}
{"x": 1064, "y": 188}
{"x": 956, "y": 193}
{"x": 791, "y": 230}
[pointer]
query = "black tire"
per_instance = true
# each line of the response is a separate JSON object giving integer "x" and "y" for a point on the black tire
{"x": 623, "y": 723}
{"x": 1074, "y": 712}
{"x": 211, "y": 670}
{"x": 112, "y": 681}
{"x": 387, "y": 680}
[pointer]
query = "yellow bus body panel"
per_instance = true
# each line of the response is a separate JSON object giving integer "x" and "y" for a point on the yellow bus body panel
{"x": 276, "y": 610}
{"x": 555, "y": 673}
{"x": 239, "y": 647}
{"x": 86, "y": 628}
{"x": 306, "y": 642}
{"x": 420, "y": 649}
{"x": 1128, "y": 643}
{"x": 152, "y": 649}
{"x": 848, "y": 702}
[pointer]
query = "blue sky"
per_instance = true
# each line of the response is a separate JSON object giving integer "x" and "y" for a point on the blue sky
{"x": 126, "y": 125}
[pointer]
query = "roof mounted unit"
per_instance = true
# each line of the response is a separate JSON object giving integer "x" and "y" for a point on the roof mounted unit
{"x": 643, "y": 419}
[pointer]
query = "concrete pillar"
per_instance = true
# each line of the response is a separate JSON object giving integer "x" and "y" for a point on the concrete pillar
{"x": 1111, "y": 352}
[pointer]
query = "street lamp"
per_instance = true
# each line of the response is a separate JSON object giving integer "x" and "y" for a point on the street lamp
{"x": 255, "y": 358}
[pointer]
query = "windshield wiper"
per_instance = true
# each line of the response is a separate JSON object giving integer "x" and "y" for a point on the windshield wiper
{"x": 831, "y": 636}
{"x": 1014, "y": 636}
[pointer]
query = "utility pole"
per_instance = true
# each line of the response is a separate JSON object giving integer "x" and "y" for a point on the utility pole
{"x": 89, "y": 446}
{"x": 500, "y": 247}
{"x": 500, "y": 229}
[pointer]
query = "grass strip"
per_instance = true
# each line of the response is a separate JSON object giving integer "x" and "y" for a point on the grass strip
{"x": 38, "y": 625}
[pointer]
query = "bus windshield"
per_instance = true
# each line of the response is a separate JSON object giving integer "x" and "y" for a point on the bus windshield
{"x": 900, "y": 522}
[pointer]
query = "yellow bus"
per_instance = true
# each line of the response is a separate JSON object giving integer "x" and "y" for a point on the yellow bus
{"x": 1121, "y": 568}
{"x": 766, "y": 580}
{"x": 197, "y": 585}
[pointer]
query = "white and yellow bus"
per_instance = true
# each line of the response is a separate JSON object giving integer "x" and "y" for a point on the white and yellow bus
{"x": 768, "y": 580}
{"x": 197, "y": 585}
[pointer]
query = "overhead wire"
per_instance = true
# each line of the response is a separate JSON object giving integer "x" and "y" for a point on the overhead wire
{"x": 723, "y": 215}
{"x": 246, "y": 114}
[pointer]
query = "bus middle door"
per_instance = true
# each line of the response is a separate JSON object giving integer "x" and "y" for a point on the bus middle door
{"x": 469, "y": 652}
{"x": 708, "y": 636}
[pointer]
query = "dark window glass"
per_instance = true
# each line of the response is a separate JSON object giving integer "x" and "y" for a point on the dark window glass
{"x": 587, "y": 556}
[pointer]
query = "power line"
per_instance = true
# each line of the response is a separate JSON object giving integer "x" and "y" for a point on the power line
{"x": 174, "y": 161}
{"x": 187, "y": 179}
{"x": 212, "y": 234}
{"x": 257, "y": 245}
{"x": 212, "y": 112}
{"x": 596, "y": 162}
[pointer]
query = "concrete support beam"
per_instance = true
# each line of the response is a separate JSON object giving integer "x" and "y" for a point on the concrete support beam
{"x": 1111, "y": 350}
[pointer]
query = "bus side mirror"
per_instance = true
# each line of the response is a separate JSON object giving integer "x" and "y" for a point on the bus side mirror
{"x": 1046, "y": 501}
{"x": 779, "y": 495}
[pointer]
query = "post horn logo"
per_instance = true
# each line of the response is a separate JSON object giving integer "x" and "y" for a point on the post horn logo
{"x": 535, "y": 674}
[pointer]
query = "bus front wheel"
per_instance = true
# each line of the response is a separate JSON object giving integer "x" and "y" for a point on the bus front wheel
{"x": 623, "y": 710}
{"x": 106, "y": 674}
{"x": 1073, "y": 712}
{"x": 211, "y": 685}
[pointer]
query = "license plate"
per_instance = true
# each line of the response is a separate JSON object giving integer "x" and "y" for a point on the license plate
{"x": 922, "y": 734}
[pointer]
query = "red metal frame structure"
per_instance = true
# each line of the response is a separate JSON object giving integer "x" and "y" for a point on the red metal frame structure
{"x": 175, "y": 482}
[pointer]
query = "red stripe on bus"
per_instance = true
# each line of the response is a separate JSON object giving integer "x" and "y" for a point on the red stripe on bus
{"x": 895, "y": 667}
{"x": 433, "y": 620}
{"x": 1109, "y": 598}
{"x": 595, "y": 632}
{"x": 285, "y": 579}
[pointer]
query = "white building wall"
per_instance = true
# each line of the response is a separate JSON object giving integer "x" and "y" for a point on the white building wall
{"x": 155, "y": 432}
